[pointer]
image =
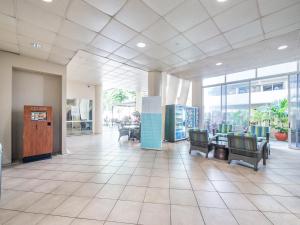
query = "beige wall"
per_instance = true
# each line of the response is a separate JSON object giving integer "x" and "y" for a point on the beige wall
{"x": 80, "y": 90}
{"x": 32, "y": 88}
{"x": 8, "y": 62}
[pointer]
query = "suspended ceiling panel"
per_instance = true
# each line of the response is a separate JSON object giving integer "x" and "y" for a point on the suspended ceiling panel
{"x": 177, "y": 33}
{"x": 92, "y": 69}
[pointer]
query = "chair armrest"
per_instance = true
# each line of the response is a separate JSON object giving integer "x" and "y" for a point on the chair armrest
{"x": 268, "y": 136}
{"x": 214, "y": 131}
{"x": 213, "y": 138}
{"x": 262, "y": 146}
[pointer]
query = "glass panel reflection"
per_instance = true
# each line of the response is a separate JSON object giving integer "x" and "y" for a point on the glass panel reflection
{"x": 79, "y": 116}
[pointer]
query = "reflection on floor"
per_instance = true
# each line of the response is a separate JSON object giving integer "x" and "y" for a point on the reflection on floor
{"x": 102, "y": 181}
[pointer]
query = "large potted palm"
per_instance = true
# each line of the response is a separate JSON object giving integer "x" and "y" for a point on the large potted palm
{"x": 280, "y": 120}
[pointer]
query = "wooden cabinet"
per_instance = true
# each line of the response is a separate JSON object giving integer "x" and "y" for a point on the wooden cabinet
{"x": 37, "y": 132}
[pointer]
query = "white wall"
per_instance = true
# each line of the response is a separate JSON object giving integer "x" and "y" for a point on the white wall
{"x": 77, "y": 89}
{"x": 80, "y": 90}
{"x": 175, "y": 90}
{"x": 8, "y": 62}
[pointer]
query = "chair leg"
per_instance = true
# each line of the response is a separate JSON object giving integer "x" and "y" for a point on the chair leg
{"x": 255, "y": 166}
{"x": 190, "y": 150}
{"x": 207, "y": 154}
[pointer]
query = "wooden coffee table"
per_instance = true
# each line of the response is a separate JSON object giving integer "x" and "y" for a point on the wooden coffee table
{"x": 221, "y": 150}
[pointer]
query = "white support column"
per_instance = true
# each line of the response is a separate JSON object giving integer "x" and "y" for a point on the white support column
{"x": 154, "y": 84}
{"x": 138, "y": 101}
{"x": 98, "y": 109}
{"x": 197, "y": 98}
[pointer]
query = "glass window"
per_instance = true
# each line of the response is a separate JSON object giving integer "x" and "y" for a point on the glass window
{"x": 243, "y": 90}
{"x": 244, "y": 75}
{"x": 278, "y": 86}
{"x": 274, "y": 90}
{"x": 268, "y": 87}
{"x": 237, "y": 107}
{"x": 256, "y": 88}
{"x": 79, "y": 116}
{"x": 214, "y": 80}
{"x": 277, "y": 69}
{"x": 231, "y": 89}
{"x": 212, "y": 107}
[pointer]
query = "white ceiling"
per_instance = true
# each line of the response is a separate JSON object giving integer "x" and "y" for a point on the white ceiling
{"x": 261, "y": 54}
{"x": 94, "y": 69}
{"x": 178, "y": 33}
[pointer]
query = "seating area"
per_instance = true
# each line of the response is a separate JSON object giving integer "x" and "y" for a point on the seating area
{"x": 247, "y": 149}
{"x": 132, "y": 131}
{"x": 250, "y": 146}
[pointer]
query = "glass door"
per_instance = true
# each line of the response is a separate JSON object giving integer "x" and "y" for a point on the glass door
{"x": 294, "y": 110}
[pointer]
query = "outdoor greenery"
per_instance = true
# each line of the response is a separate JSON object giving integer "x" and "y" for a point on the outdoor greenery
{"x": 114, "y": 97}
{"x": 261, "y": 116}
{"x": 239, "y": 117}
{"x": 280, "y": 120}
{"x": 274, "y": 115}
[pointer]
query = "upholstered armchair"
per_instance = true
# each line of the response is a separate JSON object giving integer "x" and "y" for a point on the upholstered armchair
{"x": 223, "y": 130}
{"x": 123, "y": 132}
{"x": 247, "y": 149}
{"x": 262, "y": 134}
{"x": 199, "y": 141}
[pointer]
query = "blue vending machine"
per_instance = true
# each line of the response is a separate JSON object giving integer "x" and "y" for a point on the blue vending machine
{"x": 175, "y": 128}
{"x": 192, "y": 118}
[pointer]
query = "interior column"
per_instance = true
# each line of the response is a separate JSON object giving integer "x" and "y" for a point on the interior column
{"x": 197, "y": 98}
{"x": 98, "y": 109}
{"x": 154, "y": 84}
{"x": 138, "y": 101}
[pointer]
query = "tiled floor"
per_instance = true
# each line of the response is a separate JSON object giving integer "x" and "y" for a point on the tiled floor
{"x": 102, "y": 181}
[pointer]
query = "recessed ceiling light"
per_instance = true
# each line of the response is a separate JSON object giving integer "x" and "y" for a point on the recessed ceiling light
{"x": 219, "y": 64}
{"x": 221, "y": 0}
{"x": 282, "y": 47}
{"x": 48, "y": 1}
{"x": 141, "y": 45}
{"x": 36, "y": 45}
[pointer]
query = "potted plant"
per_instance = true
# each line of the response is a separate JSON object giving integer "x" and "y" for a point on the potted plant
{"x": 280, "y": 120}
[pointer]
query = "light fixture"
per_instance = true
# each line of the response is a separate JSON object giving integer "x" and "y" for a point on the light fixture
{"x": 282, "y": 47}
{"x": 141, "y": 45}
{"x": 48, "y": 1}
{"x": 221, "y": 0}
{"x": 36, "y": 45}
{"x": 219, "y": 64}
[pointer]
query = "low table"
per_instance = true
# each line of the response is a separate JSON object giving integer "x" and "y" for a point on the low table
{"x": 221, "y": 150}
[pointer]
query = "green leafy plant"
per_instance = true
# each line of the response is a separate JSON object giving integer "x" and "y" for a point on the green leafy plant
{"x": 280, "y": 118}
{"x": 239, "y": 117}
{"x": 261, "y": 116}
{"x": 114, "y": 97}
